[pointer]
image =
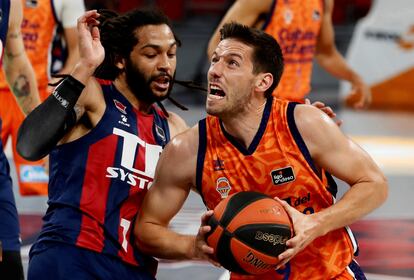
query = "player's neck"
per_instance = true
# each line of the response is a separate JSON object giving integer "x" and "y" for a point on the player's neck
{"x": 131, "y": 97}
{"x": 244, "y": 126}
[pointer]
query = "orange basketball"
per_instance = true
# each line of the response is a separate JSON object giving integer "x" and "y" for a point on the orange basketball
{"x": 248, "y": 232}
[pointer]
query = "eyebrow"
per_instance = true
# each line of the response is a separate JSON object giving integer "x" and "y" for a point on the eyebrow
{"x": 157, "y": 47}
{"x": 228, "y": 55}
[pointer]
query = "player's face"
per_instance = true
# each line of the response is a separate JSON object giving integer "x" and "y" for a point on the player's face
{"x": 151, "y": 67}
{"x": 230, "y": 79}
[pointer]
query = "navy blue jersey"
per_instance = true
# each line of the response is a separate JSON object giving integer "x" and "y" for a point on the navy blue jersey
{"x": 4, "y": 25}
{"x": 9, "y": 223}
{"x": 97, "y": 183}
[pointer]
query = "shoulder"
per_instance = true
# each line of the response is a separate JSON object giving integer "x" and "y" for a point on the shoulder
{"x": 316, "y": 128}
{"x": 185, "y": 144}
{"x": 176, "y": 124}
{"x": 68, "y": 11}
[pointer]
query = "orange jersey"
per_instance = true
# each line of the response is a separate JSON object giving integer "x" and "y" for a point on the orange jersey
{"x": 277, "y": 163}
{"x": 295, "y": 24}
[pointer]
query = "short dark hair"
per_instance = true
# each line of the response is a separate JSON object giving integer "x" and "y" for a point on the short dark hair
{"x": 118, "y": 36}
{"x": 267, "y": 55}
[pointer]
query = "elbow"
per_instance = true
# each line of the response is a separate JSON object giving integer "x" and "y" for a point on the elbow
{"x": 26, "y": 146}
{"x": 383, "y": 189}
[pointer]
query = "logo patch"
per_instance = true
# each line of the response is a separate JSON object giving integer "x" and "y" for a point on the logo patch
{"x": 218, "y": 164}
{"x": 160, "y": 133}
{"x": 283, "y": 175}
{"x": 124, "y": 121}
{"x": 223, "y": 187}
{"x": 33, "y": 174}
{"x": 121, "y": 107}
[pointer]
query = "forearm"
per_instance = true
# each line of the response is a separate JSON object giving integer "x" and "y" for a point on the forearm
{"x": 335, "y": 64}
{"x": 161, "y": 242}
{"x": 22, "y": 82}
{"x": 360, "y": 200}
{"x": 34, "y": 141}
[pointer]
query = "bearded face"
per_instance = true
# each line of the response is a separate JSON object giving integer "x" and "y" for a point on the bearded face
{"x": 148, "y": 88}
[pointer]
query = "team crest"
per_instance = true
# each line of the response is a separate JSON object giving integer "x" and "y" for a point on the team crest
{"x": 283, "y": 175}
{"x": 121, "y": 107}
{"x": 160, "y": 133}
{"x": 223, "y": 187}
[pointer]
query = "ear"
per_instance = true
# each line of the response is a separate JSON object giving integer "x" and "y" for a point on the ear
{"x": 120, "y": 63}
{"x": 264, "y": 81}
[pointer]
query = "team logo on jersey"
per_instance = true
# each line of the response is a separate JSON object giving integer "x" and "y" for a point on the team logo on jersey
{"x": 31, "y": 3}
{"x": 282, "y": 175}
{"x": 160, "y": 133}
{"x": 288, "y": 16}
{"x": 124, "y": 121}
{"x": 223, "y": 187}
{"x": 316, "y": 15}
{"x": 218, "y": 164}
{"x": 121, "y": 107}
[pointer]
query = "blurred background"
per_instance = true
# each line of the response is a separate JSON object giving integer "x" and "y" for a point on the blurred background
{"x": 377, "y": 39}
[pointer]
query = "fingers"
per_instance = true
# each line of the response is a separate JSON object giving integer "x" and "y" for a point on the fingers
{"x": 206, "y": 216}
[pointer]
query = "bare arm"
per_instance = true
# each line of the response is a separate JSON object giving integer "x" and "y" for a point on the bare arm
{"x": 175, "y": 176}
{"x": 334, "y": 63}
{"x": 340, "y": 156}
{"x": 176, "y": 124}
{"x": 246, "y": 12}
{"x": 17, "y": 67}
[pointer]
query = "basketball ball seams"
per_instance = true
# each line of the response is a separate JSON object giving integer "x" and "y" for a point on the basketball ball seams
{"x": 249, "y": 230}
{"x": 237, "y": 203}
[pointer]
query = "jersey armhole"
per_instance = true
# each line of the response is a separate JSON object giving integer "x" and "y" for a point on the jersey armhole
{"x": 202, "y": 147}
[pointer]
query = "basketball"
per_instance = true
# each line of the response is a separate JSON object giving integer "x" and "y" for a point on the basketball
{"x": 248, "y": 232}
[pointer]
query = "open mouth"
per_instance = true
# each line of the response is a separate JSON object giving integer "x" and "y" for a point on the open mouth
{"x": 216, "y": 91}
{"x": 162, "y": 82}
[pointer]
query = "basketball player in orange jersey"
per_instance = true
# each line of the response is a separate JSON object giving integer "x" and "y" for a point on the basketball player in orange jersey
{"x": 41, "y": 18}
{"x": 256, "y": 142}
{"x": 21, "y": 78}
{"x": 304, "y": 31}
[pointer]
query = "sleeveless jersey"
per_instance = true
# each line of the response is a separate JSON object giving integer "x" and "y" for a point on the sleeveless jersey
{"x": 4, "y": 26}
{"x": 295, "y": 24}
{"x": 276, "y": 163}
{"x": 97, "y": 183}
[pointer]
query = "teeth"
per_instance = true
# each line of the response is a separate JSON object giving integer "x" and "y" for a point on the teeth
{"x": 215, "y": 87}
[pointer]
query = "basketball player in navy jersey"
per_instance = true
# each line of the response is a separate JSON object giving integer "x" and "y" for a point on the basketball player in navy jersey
{"x": 21, "y": 79}
{"x": 104, "y": 138}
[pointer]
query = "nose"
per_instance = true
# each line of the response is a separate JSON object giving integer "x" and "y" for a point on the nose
{"x": 215, "y": 69}
{"x": 165, "y": 63}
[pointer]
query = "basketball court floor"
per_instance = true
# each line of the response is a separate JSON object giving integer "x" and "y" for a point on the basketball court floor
{"x": 386, "y": 236}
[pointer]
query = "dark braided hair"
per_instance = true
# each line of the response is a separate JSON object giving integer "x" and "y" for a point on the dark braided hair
{"x": 118, "y": 36}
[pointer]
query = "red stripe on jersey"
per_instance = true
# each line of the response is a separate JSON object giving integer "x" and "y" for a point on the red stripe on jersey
{"x": 95, "y": 191}
{"x": 133, "y": 204}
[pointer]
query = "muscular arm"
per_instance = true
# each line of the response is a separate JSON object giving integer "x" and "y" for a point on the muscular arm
{"x": 340, "y": 156}
{"x": 57, "y": 113}
{"x": 175, "y": 176}
{"x": 246, "y": 12}
{"x": 17, "y": 67}
{"x": 328, "y": 56}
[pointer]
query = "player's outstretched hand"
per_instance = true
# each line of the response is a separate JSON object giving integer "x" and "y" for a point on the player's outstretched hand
{"x": 201, "y": 249}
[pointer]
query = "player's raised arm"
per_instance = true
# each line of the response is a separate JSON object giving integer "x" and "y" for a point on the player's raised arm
{"x": 57, "y": 112}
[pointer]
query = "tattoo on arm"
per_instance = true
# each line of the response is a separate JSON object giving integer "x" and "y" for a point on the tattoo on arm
{"x": 21, "y": 86}
{"x": 79, "y": 111}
